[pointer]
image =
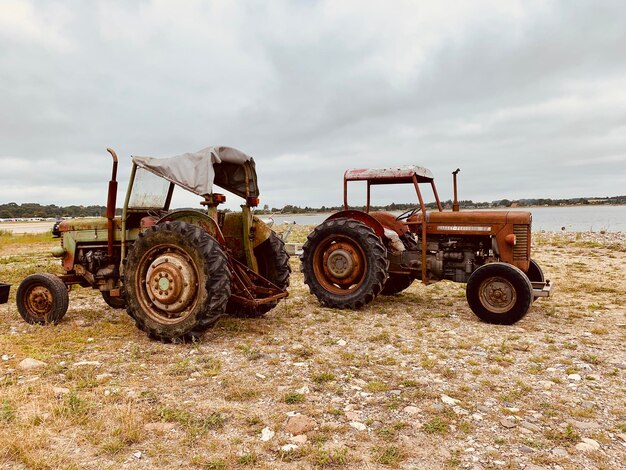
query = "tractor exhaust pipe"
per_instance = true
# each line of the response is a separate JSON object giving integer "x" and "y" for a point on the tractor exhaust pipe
{"x": 111, "y": 201}
{"x": 455, "y": 203}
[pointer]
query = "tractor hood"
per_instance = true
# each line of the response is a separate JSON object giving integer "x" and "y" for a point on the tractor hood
{"x": 225, "y": 167}
{"x": 474, "y": 217}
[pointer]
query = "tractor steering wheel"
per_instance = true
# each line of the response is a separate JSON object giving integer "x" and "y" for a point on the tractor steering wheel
{"x": 409, "y": 213}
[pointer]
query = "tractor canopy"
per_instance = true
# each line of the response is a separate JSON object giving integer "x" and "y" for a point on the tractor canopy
{"x": 395, "y": 175}
{"x": 225, "y": 167}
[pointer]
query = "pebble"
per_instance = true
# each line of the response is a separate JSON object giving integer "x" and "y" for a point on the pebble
{"x": 6, "y": 357}
{"x": 525, "y": 449}
{"x": 449, "y": 400}
{"x": 546, "y": 384}
{"x": 412, "y": 410}
{"x": 530, "y": 426}
{"x": 507, "y": 423}
{"x": 299, "y": 424}
{"x": 288, "y": 447}
{"x": 585, "y": 425}
{"x": 588, "y": 445}
{"x": 358, "y": 426}
{"x": 260, "y": 376}
{"x": 101, "y": 377}
{"x": 30, "y": 363}
{"x": 304, "y": 390}
{"x": 267, "y": 434}
{"x": 574, "y": 377}
{"x": 353, "y": 415}
{"x": 341, "y": 342}
{"x": 559, "y": 452}
{"x": 137, "y": 454}
{"x": 477, "y": 417}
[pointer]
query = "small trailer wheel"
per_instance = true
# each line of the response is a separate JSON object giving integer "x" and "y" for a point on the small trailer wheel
{"x": 499, "y": 293}
{"x": 42, "y": 298}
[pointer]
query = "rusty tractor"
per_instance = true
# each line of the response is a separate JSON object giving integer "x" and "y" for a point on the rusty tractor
{"x": 176, "y": 272}
{"x": 353, "y": 256}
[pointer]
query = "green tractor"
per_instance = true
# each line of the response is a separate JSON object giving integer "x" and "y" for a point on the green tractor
{"x": 176, "y": 272}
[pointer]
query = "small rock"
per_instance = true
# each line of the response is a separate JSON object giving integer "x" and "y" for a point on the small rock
{"x": 304, "y": 390}
{"x": 449, "y": 400}
{"x": 507, "y": 423}
{"x": 267, "y": 434}
{"x": 260, "y": 376}
{"x": 358, "y": 426}
{"x": 301, "y": 439}
{"x": 60, "y": 391}
{"x": 412, "y": 410}
{"x": 525, "y": 449}
{"x": 101, "y": 377}
{"x": 30, "y": 363}
{"x": 90, "y": 340}
{"x": 6, "y": 357}
{"x": 588, "y": 445}
{"x": 352, "y": 415}
{"x": 299, "y": 424}
{"x": 137, "y": 454}
{"x": 159, "y": 427}
{"x": 559, "y": 452}
{"x": 530, "y": 426}
{"x": 546, "y": 384}
{"x": 395, "y": 392}
{"x": 622, "y": 436}
{"x": 341, "y": 342}
{"x": 574, "y": 377}
{"x": 288, "y": 447}
{"x": 477, "y": 417}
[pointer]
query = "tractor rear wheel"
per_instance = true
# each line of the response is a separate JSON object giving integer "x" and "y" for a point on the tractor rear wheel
{"x": 42, "y": 298}
{"x": 344, "y": 263}
{"x": 176, "y": 281}
{"x": 273, "y": 262}
{"x": 499, "y": 293}
{"x": 113, "y": 302}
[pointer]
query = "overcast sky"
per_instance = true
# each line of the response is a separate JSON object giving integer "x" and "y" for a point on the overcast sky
{"x": 527, "y": 98}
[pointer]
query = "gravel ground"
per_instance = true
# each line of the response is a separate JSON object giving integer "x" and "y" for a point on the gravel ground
{"x": 410, "y": 381}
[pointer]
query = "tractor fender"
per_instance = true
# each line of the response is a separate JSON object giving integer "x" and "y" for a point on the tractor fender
{"x": 362, "y": 217}
{"x": 388, "y": 220}
{"x": 195, "y": 218}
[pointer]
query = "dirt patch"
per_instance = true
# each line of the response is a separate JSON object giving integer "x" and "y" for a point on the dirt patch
{"x": 412, "y": 381}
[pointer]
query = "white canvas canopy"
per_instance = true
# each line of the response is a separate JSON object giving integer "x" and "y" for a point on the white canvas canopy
{"x": 196, "y": 171}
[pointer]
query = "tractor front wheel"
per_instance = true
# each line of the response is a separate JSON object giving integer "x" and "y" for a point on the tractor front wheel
{"x": 176, "y": 281}
{"x": 42, "y": 298}
{"x": 499, "y": 293}
{"x": 344, "y": 263}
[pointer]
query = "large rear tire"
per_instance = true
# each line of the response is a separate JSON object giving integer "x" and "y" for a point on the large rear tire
{"x": 273, "y": 261}
{"x": 499, "y": 293}
{"x": 344, "y": 263}
{"x": 176, "y": 281}
{"x": 42, "y": 298}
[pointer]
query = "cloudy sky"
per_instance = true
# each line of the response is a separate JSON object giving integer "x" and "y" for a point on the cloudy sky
{"x": 527, "y": 98}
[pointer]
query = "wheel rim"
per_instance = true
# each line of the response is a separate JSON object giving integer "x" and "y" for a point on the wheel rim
{"x": 497, "y": 295}
{"x": 167, "y": 284}
{"x": 339, "y": 264}
{"x": 39, "y": 301}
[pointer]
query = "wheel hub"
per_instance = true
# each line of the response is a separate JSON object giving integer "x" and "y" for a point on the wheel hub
{"x": 498, "y": 295}
{"x": 340, "y": 263}
{"x": 171, "y": 282}
{"x": 39, "y": 301}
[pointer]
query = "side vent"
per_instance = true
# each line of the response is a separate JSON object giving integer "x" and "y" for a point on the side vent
{"x": 522, "y": 238}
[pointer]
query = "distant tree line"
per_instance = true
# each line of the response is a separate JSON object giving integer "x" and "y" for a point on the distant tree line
{"x": 13, "y": 210}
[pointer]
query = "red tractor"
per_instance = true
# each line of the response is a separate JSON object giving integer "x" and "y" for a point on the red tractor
{"x": 355, "y": 255}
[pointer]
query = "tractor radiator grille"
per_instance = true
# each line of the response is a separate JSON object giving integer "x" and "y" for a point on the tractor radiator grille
{"x": 522, "y": 238}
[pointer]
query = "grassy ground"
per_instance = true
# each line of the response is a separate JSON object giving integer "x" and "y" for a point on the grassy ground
{"x": 411, "y": 381}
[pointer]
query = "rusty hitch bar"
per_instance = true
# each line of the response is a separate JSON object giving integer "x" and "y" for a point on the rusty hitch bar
{"x": 250, "y": 288}
{"x": 111, "y": 201}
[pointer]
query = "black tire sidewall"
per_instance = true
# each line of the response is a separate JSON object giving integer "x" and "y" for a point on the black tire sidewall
{"x": 519, "y": 281}
{"x": 213, "y": 280}
{"x": 60, "y": 298}
{"x": 375, "y": 256}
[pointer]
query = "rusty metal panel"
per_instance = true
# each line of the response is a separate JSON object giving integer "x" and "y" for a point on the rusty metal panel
{"x": 389, "y": 175}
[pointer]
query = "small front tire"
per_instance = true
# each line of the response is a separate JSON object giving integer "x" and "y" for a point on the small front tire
{"x": 42, "y": 299}
{"x": 499, "y": 293}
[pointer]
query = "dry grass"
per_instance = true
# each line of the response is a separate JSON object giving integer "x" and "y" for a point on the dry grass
{"x": 143, "y": 404}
